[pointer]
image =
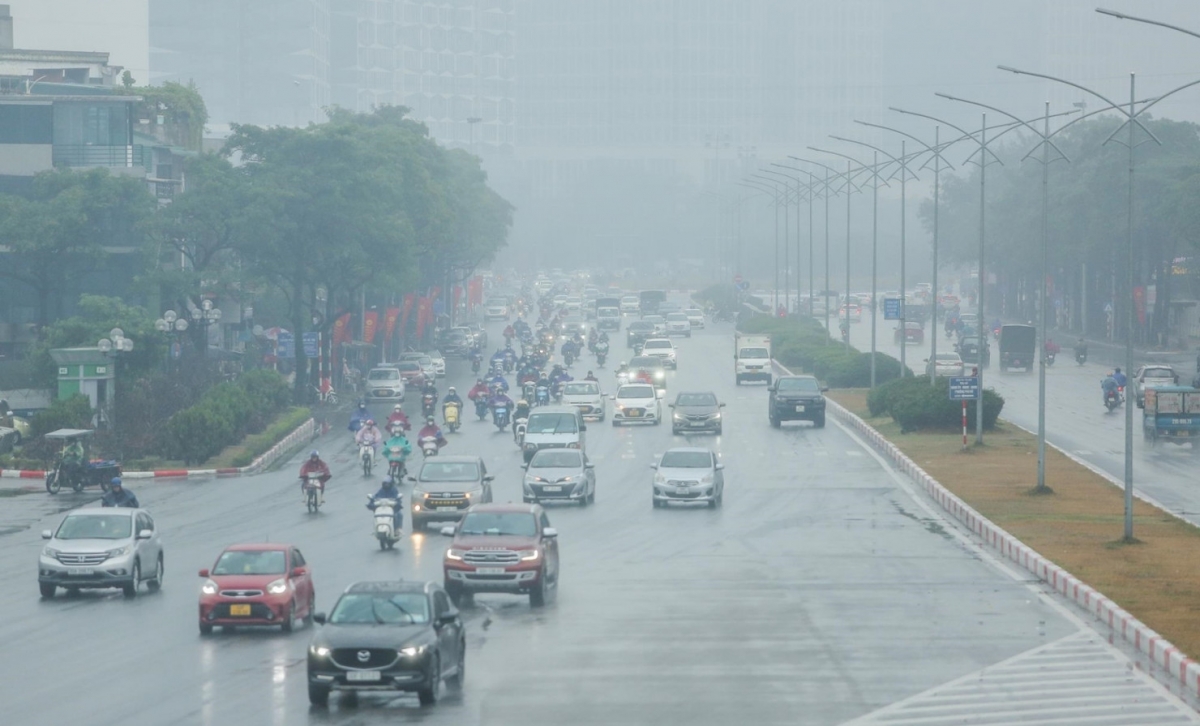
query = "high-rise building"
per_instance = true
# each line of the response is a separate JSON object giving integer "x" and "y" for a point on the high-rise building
{"x": 262, "y": 62}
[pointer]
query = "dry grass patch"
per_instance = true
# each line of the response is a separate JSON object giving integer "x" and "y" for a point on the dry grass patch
{"x": 1078, "y": 527}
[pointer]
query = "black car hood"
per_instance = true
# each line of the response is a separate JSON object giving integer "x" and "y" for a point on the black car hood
{"x": 370, "y": 636}
{"x": 697, "y": 410}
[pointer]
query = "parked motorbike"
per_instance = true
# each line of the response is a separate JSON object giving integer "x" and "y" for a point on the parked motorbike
{"x": 428, "y": 401}
{"x": 387, "y": 522}
{"x": 500, "y": 417}
{"x": 366, "y": 454}
{"x": 450, "y": 415}
{"x": 429, "y": 445}
{"x": 312, "y": 492}
{"x": 481, "y": 408}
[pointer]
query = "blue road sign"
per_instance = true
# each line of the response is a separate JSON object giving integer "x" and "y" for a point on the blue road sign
{"x": 285, "y": 346}
{"x": 891, "y": 308}
{"x": 310, "y": 345}
{"x": 964, "y": 388}
{"x": 743, "y": 286}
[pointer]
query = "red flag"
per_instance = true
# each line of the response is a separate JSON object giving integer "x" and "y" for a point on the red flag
{"x": 1139, "y": 301}
{"x": 341, "y": 329}
{"x": 408, "y": 304}
{"x": 370, "y": 322}
{"x": 389, "y": 323}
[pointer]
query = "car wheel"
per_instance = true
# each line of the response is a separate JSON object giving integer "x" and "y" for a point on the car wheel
{"x": 206, "y": 629}
{"x": 674, "y": 431}
{"x": 656, "y": 503}
{"x": 430, "y": 694}
{"x": 615, "y": 423}
{"x": 418, "y": 524}
{"x": 719, "y": 429}
{"x": 775, "y": 422}
{"x": 130, "y": 588}
{"x": 156, "y": 582}
{"x": 712, "y": 503}
{"x": 47, "y": 589}
{"x": 537, "y": 597}
{"x": 455, "y": 682}
{"x": 458, "y": 596}
{"x": 820, "y": 422}
{"x": 289, "y": 618}
{"x": 318, "y": 695}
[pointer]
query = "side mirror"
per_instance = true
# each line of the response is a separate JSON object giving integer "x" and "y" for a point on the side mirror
{"x": 721, "y": 405}
{"x": 489, "y": 477}
{"x": 589, "y": 465}
{"x": 145, "y": 534}
{"x": 47, "y": 534}
{"x": 654, "y": 466}
{"x": 670, "y": 405}
{"x": 204, "y": 572}
{"x": 824, "y": 389}
{"x": 549, "y": 532}
{"x": 319, "y": 618}
{"x": 720, "y": 467}
{"x": 412, "y": 479}
{"x": 612, "y": 397}
{"x": 299, "y": 571}
{"x": 447, "y": 531}
{"x": 448, "y": 618}
{"x": 583, "y": 428}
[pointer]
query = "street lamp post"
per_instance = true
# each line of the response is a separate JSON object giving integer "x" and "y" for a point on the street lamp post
{"x": 849, "y": 190}
{"x": 207, "y": 315}
{"x": 825, "y": 192}
{"x": 113, "y": 346}
{"x": 787, "y": 262}
{"x": 773, "y": 185}
{"x": 170, "y": 322}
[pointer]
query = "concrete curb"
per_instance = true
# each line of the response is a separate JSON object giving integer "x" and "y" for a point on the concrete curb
{"x": 302, "y": 433}
{"x": 1124, "y": 625}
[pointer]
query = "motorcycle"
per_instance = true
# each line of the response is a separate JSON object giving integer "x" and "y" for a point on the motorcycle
{"x": 542, "y": 395}
{"x": 386, "y": 522}
{"x": 520, "y": 426}
{"x": 476, "y": 361}
{"x": 601, "y": 355}
{"x": 496, "y": 367}
{"x": 481, "y": 408}
{"x": 509, "y": 365}
{"x": 568, "y": 358}
{"x": 556, "y": 389}
{"x": 500, "y": 417}
{"x": 366, "y": 454}
{"x": 312, "y": 492}
{"x": 450, "y": 413}
{"x": 1081, "y": 357}
{"x": 428, "y": 401}
{"x": 1050, "y": 359}
{"x": 1112, "y": 399}
{"x": 395, "y": 457}
{"x": 429, "y": 445}
{"x": 528, "y": 390}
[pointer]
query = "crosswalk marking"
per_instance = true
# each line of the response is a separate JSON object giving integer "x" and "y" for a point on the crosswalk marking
{"x": 1077, "y": 680}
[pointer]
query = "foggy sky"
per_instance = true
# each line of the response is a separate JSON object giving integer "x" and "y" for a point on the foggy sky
{"x": 117, "y": 27}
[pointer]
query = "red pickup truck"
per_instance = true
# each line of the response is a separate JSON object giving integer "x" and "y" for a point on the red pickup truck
{"x": 505, "y": 548}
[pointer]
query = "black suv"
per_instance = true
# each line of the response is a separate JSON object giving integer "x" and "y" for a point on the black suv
{"x": 637, "y": 332}
{"x": 388, "y": 636}
{"x": 796, "y": 398}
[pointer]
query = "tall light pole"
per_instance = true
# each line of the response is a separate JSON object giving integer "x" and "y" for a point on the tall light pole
{"x": 825, "y": 193}
{"x": 810, "y": 195}
{"x": 773, "y": 184}
{"x": 787, "y": 263}
{"x": 850, "y": 188}
{"x": 1131, "y": 114}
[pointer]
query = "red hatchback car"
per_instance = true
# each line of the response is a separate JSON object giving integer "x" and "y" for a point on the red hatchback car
{"x": 257, "y": 584}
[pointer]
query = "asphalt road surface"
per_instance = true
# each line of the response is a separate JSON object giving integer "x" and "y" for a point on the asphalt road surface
{"x": 1076, "y": 419}
{"x": 820, "y": 593}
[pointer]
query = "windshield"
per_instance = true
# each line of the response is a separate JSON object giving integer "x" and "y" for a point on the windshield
{"x": 498, "y": 303}
{"x": 696, "y": 399}
{"x": 96, "y": 526}
{"x": 753, "y": 353}
{"x": 799, "y": 384}
{"x": 383, "y": 374}
{"x": 677, "y": 317}
{"x": 398, "y": 608}
{"x": 686, "y": 460}
{"x": 636, "y": 392}
{"x": 641, "y": 326}
{"x": 517, "y": 524}
{"x": 552, "y": 459}
{"x": 251, "y": 562}
{"x": 650, "y": 344}
{"x": 645, "y": 362}
{"x": 410, "y": 366}
{"x": 1159, "y": 373}
{"x": 948, "y": 357}
{"x": 551, "y": 423}
{"x": 581, "y": 389}
{"x": 450, "y": 471}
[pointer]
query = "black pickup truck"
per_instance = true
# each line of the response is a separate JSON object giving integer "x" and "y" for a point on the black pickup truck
{"x": 796, "y": 398}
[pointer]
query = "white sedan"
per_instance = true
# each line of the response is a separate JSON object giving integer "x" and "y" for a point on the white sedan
{"x": 945, "y": 364}
{"x": 695, "y": 316}
{"x": 636, "y": 403}
{"x": 586, "y": 396}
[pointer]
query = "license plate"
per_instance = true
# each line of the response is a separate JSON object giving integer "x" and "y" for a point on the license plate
{"x": 82, "y": 573}
{"x": 363, "y": 676}
{"x": 552, "y": 489}
{"x": 634, "y": 414}
{"x": 239, "y": 610}
{"x": 696, "y": 424}
{"x": 447, "y": 509}
{"x": 489, "y": 570}
{"x": 799, "y": 409}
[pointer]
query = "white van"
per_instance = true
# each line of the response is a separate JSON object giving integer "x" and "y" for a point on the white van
{"x": 554, "y": 427}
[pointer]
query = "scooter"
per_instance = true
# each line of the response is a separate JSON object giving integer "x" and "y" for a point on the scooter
{"x": 312, "y": 492}
{"x": 476, "y": 361}
{"x": 366, "y": 454}
{"x": 481, "y": 408}
{"x": 500, "y": 417}
{"x": 386, "y": 522}
{"x": 568, "y": 358}
{"x": 542, "y": 395}
{"x": 1050, "y": 359}
{"x": 1081, "y": 357}
{"x": 520, "y": 426}
{"x": 528, "y": 390}
{"x": 428, "y": 401}
{"x": 429, "y": 446}
{"x": 1112, "y": 399}
{"x": 601, "y": 356}
{"x": 450, "y": 413}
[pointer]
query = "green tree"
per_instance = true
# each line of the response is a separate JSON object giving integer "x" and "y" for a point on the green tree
{"x": 97, "y": 316}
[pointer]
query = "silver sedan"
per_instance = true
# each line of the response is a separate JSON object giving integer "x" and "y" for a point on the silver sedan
{"x": 560, "y": 475}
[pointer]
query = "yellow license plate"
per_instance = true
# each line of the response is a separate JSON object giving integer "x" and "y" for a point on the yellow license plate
{"x": 239, "y": 610}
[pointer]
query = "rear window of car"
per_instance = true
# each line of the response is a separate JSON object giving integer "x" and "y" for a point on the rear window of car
{"x": 636, "y": 392}
{"x": 410, "y": 366}
{"x": 799, "y": 384}
{"x": 383, "y": 374}
{"x": 580, "y": 389}
{"x": 551, "y": 423}
{"x": 657, "y": 344}
{"x": 646, "y": 361}
{"x": 640, "y": 326}
{"x": 1159, "y": 373}
{"x": 677, "y": 317}
{"x": 553, "y": 459}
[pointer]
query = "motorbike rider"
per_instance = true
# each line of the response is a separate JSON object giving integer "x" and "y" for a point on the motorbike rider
{"x": 1119, "y": 377}
{"x": 591, "y": 377}
{"x": 1109, "y": 385}
{"x": 398, "y": 417}
{"x": 119, "y": 496}
{"x": 431, "y": 430}
{"x": 314, "y": 465}
{"x": 389, "y": 490}
{"x": 497, "y": 359}
{"x": 500, "y": 399}
{"x": 452, "y": 397}
{"x": 480, "y": 389}
{"x": 1081, "y": 347}
{"x": 498, "y": 381}
{"x": 509, "y": 332}
{"x": 368, "y": 435}
{"x": 397, "y": 441}
{"x": 592, "y": 338}
{"x": 359, "y": 417}
{"x": 1052, "y": 348}
{"x": 72, "y": 460}
{"x": 430, "y": 389}
{"x": 521, "y": 410}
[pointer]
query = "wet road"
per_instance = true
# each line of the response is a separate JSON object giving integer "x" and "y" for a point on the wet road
{"x": 820, "y": 592}
{"x": 1076, "y": 419}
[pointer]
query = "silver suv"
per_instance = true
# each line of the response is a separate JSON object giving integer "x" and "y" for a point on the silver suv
{"x": 101, "y": 548}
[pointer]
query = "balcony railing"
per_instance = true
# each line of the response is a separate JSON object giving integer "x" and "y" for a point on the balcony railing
{"x": 72, "y": 156}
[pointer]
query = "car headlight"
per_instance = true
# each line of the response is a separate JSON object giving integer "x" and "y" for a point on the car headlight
{"x": 119, "y": 551}
{"x": 531, "y": 447}
{"x": 658, "y": 374}
{"x": 319, "y": 651}
{"x": 568, "y": 479}
{"x": 678, "y": 417}
{"x": 537, "y": 478}
{"x": 706, "y": 479}
{"x": 278, "y": 587}
{"x": 717, "y": 415}
{"x": 412, "y": 651}
{"x": 530, "y": 555}
{"x": 455, "y": 554}
{"x": 660, "y": 479}
{"x": 49, "y": 552}
{"x": 209, "y": 587}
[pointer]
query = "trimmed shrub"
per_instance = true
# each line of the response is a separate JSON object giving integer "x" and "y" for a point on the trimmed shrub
{"x": 802, "y": 344}
{"x": 223, "y": 416}
{"x": 918, "y": 406}
{"x": 74, "y": 412}
{"x": 258, "y": 444}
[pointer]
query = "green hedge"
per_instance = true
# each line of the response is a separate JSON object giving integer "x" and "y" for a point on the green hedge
{"x": 802, "y": 344}
{"x": 225, "y": 414}
{"x": 916, "y": 405}
{"x": 258, "y": 444}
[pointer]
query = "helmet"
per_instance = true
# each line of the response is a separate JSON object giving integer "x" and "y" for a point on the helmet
{"x": 478, "y": 381}
{"x": 370, "y": 422}
{"x": 116, "y": 481}
{"x": 1117, "y": 370}
{"x": 522, "y": 402}
{"x": 623, "y": 364}
{"x": 362, "y": 406}
{"x": 590, "y": 373}
{"x": 314, "y": 454}
{"x": 450, "y": 389}
{"x": 397, "y": 407}
{"x": 429, "y": 420}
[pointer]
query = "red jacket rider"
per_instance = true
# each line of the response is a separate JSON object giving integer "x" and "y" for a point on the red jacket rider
{"x": 314, "y": 465}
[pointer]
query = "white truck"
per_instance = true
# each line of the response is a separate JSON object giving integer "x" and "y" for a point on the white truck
{"x": 752, "y": 358}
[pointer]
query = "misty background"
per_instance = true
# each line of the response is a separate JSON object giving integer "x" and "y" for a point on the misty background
{"x": 617, "y": 128}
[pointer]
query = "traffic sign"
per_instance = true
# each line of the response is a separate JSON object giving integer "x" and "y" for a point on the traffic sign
{"x": 286, "y": 345}
{"x": 743, "y": 286}
{"x": 310, "y": 345}
{"x": 964, "y": 388}
{"x": 891, "y": 308}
